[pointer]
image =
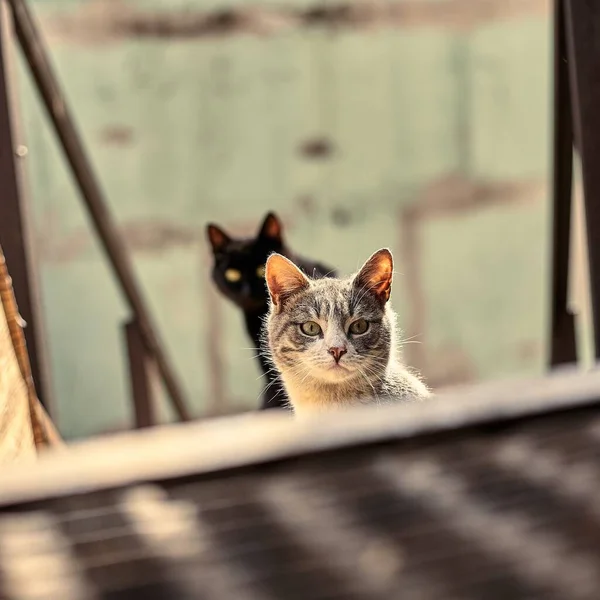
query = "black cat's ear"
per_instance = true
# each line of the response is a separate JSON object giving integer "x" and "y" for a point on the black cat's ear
{"x": 284, "y": 279}
{"x": 272, "y": 228}
{"x": 375, "y": 276}
{"x": 217, "y": 237}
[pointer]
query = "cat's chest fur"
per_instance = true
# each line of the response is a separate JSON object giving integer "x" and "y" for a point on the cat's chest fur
{"x": 397, "y": 385}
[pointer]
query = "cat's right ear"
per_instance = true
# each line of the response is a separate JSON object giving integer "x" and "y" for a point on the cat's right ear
{"x": 217, "y": 237}
{"x": 271, "y": 228}
{"x": 375, "y": 276}
{"x": 284, "y": 279}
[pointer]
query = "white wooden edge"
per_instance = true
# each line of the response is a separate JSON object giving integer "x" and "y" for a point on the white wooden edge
{"x": 212, "y": 445}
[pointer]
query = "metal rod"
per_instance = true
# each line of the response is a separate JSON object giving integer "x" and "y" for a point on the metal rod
{"x": 583, "y": 55}
{"x": 55, "y": 103}
{"x": 15, "y": 229}
{"x": 140, "y": 364}
{"x": 563, "y": 347}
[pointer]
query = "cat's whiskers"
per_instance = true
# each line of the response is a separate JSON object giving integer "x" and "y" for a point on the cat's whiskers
{"x": 268, "y": 387}
{"x": 412, "y": 337}
{"x": 300, "y": 370}
{"x": 267, "y": 373}
{"x": 378, "y": 359}
{"x": 306, "y": 376}
{"x": 375, "y": 394}
{"x": 271, "y": 383}
{"x": 378, "y": 377}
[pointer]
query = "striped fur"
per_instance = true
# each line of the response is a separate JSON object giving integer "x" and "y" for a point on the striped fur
{"x": 370, "y": 370}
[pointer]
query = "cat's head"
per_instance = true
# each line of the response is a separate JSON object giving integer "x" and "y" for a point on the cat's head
{"x": 330, "y": 330}
{"x": 239, "y": 264}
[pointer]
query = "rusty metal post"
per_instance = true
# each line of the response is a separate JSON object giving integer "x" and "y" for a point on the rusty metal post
{"x": 15, "y": 225}
{"x": 140, "y": 376}
{"x": 583, "y": 58}
{"x": 563, "y": 347}
{"x": 56, "y": 105}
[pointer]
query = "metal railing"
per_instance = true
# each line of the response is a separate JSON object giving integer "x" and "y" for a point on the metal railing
{"x": 144, "y": 345}
{"x": 576, "y": 125}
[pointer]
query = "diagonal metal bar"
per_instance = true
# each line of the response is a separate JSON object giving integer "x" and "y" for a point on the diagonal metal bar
{"x": 563, "y": 348}
{"x": 15, "y": 231}
{"x": 583, "y": 49}
{"x": 102, "y": 219}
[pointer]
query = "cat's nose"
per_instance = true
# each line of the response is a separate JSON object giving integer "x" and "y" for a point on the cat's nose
{"x": 337, "y": 352}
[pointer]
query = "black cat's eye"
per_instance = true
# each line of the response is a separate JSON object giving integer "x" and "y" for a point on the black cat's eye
{"x": 310, "y": 328}
{"x": 233, "y": 275}
{"x": 260, "y": 271}
{"x": 359, "y": 327}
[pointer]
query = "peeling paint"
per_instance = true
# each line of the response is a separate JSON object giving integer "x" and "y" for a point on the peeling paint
{"x": 143, "y": 235}
{"x": 117, "y": 135}
{"x": 317, "y": 148}
{"x": 106, "y": 20}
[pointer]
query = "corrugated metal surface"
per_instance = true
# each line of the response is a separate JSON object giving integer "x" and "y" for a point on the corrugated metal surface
{"x": 436, "y": 117}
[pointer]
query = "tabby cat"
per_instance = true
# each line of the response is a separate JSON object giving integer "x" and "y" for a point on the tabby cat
{"x": 239, "y": 274}
{"x": 333, "y": 340}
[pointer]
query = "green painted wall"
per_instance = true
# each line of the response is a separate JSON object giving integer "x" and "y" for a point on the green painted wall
{"x": 439, "y": 139}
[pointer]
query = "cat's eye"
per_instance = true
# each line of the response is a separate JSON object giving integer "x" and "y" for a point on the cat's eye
{"x": 310, "y": 328}
{"x": 260, "y": 271}
{"x": 359, "y": 327}
{"x": 233, "y": 275}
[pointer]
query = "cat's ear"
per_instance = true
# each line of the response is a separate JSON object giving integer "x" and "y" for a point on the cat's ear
{"x": 284, "y": 279}
{"x": 376, "y": 275}
{"x": 271, "y": 228}
{"x": 217, "y": 237}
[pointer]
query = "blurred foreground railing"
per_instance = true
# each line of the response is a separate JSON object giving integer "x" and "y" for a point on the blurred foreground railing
{"x": 490, "y": 492}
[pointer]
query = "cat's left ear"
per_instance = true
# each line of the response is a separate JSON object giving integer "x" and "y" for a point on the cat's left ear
{"x": 376, "y": 275}
{"x": 217, "y": 237}
{"x": 272, "y": 228}
{"x": 284, "y": 279}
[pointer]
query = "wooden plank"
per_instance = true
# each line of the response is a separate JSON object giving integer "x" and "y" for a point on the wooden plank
{"x": 233, "y": 442}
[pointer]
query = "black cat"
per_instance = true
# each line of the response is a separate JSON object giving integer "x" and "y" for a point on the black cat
{"x": 239, "y": 271}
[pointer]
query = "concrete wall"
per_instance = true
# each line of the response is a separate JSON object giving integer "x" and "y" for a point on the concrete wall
{"x": 430, "y": 121}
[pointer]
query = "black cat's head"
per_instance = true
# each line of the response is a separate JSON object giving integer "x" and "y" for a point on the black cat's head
{"x": 239, "y": 267}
